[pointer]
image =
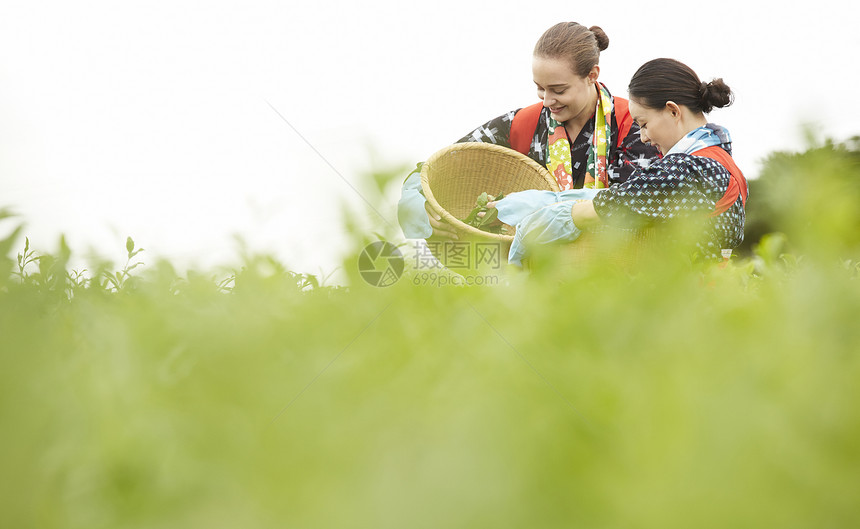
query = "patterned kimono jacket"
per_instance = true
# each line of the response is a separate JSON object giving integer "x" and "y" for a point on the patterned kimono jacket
{"x": 678, "y": 186}
{"x": 622, "y": 161}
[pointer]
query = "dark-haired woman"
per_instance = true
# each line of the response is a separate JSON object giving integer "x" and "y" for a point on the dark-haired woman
{"x": 579, "y": 131}
{"x": 695, "y": 178}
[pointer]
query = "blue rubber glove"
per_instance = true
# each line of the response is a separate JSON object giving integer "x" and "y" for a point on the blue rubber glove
{"x": 410, "y": 208}
{"x": 549, "y": 224}
{"x": 517, "y": 206}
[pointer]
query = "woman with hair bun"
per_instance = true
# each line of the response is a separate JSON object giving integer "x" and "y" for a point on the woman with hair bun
{"x": 578, "y": 130}
{"x": 696, "y": 177}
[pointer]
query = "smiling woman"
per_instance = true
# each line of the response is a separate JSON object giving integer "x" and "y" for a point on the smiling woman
{"x": 695, "y": 179}
{"x": 668, "y": 100}
{"x": 578, "y": 130}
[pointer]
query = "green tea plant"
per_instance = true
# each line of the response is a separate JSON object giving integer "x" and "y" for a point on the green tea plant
{"x": 811, "y": 197}
{"x": 117, "y": 280}
{"x": 678, "y": 395}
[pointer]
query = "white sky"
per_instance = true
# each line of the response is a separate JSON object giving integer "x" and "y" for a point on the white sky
{"x": 152, "y": 119}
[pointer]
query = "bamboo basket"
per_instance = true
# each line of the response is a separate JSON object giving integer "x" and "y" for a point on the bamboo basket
{"x": 455, "y": 176}
{"x": 452, "y": 179}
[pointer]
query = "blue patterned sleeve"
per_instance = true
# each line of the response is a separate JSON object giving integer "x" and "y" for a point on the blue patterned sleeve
{"x": 665, "y": 191}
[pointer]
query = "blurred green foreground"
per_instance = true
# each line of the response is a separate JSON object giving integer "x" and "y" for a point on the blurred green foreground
{"x": 682, "y": 396}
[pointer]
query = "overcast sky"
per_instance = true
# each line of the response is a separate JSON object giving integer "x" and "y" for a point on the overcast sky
{"x": 158, "y": 119}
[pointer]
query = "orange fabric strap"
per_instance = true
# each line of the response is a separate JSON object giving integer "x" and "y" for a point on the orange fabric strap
{"x": 523, "y": 127}
{"x": 737, "y": 183}
{"x": 622, "y": 118}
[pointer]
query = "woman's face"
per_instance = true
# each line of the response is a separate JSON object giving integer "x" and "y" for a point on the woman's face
{"x": 659, "y": 127}
{"x": 566, "y": 94}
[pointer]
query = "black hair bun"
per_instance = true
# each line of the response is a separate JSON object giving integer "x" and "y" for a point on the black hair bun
{"x": 715, "y": 94}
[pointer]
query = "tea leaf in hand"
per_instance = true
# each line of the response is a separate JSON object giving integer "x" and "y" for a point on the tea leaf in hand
{"x": 490, "y": 214}
{"x": 473, "y": 216}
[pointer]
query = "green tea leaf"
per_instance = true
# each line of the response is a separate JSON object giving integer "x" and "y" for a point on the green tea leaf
{"x": 473, "y": 216}
{"x": 490, "y": 215}
{"x": 485, "y": 222}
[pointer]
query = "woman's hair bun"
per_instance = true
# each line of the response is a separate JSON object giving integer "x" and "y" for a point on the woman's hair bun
{"x": 575, "y": 43}
{"x": 715, "y": 94}
{"x": 600, "y": 35}
{"x": 659, "y": 81}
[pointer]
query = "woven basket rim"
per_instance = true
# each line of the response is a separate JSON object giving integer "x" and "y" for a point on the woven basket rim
{"x": 490, "y": 149}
